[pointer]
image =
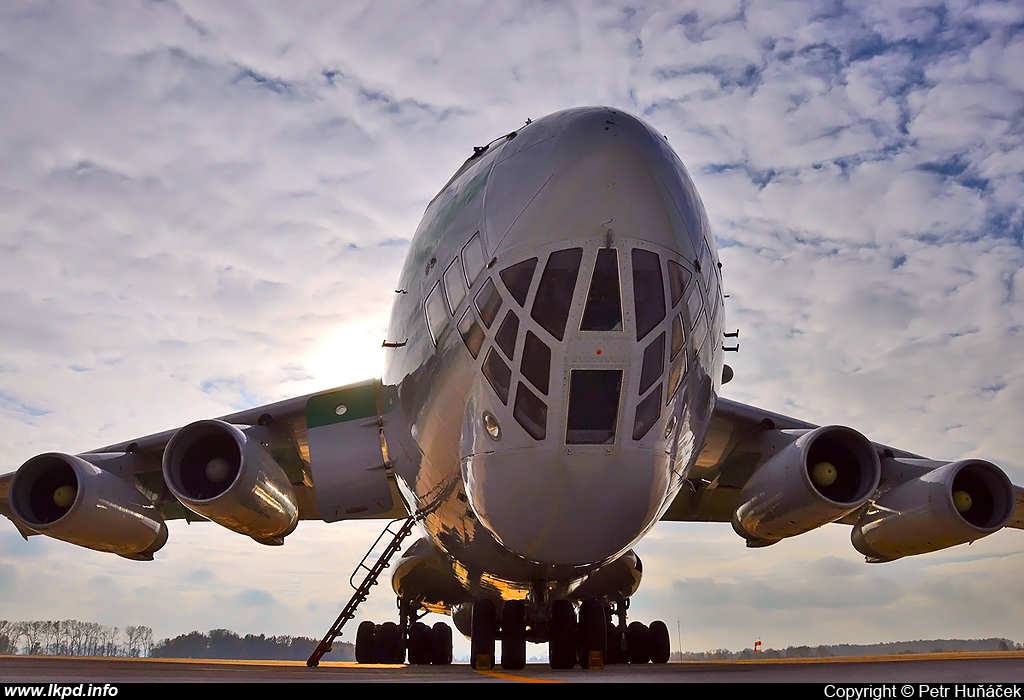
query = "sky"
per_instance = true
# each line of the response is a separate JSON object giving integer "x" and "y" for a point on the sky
{"x": 205, "y": 207}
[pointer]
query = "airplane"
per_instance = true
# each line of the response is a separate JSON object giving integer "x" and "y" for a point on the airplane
{"x": 551, "y": 391}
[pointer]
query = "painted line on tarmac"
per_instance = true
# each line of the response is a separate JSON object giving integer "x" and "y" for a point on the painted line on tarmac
{"x": 520, "y": 679}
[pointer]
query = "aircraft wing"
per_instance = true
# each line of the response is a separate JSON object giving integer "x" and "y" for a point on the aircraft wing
{"x": 252, "y": 471}
{"x": 754, "y": 469}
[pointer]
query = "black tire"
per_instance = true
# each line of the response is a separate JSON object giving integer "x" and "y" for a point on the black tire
{"x": 638, "y": 643}
{"x": 441, "y": 644}
{"x": 483, "y": 632}
{"x": 562, "y": 636}
{"x": 513, "y": 635}
{"x": 365, "y": 648}
{"x": 592, "y": 635}
{"x": 419, "y": 644}
{"x": 661, "y": 647}
{"x": 389, "y": 644}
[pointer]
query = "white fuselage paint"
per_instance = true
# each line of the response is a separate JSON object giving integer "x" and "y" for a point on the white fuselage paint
{"x": 519, "y": 510}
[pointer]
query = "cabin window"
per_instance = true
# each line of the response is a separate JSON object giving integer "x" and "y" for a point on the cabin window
{"x": 694, "y": 303}
{"x": 437, "y": 314}
{"x": 654, "y": 363}
{"x": 473, "y": 258}
{"x": 554, "y": 295}
{"x": 488, "y": 302}
{"x": 593, "y": 406}
{"x": 536, "y": 362}
{"x": 506, "y": 336}
{"x": 471, "y": 332}
{"x": 454, "y": 285}
{"x": 603, "y": 311}
{"x": 648, "y": 291}
{"x": 647, "y": 414}
{"x": 518, "y": 278}
{"x": 530, "y": 412}
{"x": 498, "y": 374}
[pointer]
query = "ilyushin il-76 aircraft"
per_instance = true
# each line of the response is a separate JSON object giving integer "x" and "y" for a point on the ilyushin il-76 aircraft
{"x": 551, "y": 386}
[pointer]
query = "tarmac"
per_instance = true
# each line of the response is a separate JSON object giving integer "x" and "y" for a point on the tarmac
{"x": 986, "y": 667}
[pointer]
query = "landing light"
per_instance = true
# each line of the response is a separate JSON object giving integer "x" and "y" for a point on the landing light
{"x": 491, "y": 426}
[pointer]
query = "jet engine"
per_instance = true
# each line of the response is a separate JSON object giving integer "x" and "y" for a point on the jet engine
{"x": 956, "y": 503}
{"x": 223, "y": 473}
{"x": 71, "y": 499}
{"x": 817, "y": 478}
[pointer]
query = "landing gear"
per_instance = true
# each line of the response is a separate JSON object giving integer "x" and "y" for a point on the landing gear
{"x": 484, "y": 630}
{"x": 562, "y": 636}
{"x": 388, "y": 643}
{"x": 660, "y": 646}
{"x": 638, "y": 642}
{"x": 592, "y": 635}
{"x": 513, "y": 635}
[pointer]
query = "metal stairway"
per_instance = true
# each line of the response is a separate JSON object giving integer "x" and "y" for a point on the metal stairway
{"x": 362, "y": 591}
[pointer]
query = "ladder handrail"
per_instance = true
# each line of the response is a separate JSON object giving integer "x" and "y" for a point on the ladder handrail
{"x": 362, "y": 591}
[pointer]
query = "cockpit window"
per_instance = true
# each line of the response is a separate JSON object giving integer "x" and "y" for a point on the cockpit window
{"x": 437, "y": 314}
{"x": 454, "y": 285}
{"x": 604, "y": 308}
{"x": 647, "y": 414}
{"x": 473, "y": 258}
{"x": 593, "y": 406}
{"x": 654, "y": 363}
{"x": 498, "y": 374}
{"x": 554, "y": 295}
{"x": 648, "y": 291}
{"x": 531, "y": 412}
{"x": 678, "y": 278}
{"x": 488, "y": 303}
{"x": 677, "y": 335}
{"x": 505, "y": 338}
{"x": 536, "y": 362}
{"x": 517, "y": 279}
{"x": 471, "y": 332}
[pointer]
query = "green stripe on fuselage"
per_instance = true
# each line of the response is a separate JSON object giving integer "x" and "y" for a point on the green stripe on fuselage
{"x": 360, "y": 401}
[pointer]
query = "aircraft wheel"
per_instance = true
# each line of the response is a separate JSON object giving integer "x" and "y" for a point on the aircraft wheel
{"x": 365, "y": 633}
{"x": 513, "y": 635}
{"x": 615, "y": 639}
{"x": 638, "y": 643}
{"x": 389, "y": 644}
{"x": 593, "y": 635}
{"x": 419, "y": 644}
{"x": 562, "y": 639}
{"x": 660, "y": 647}
{"x": 483, "y": 631}
{"x": 441, "y": 644}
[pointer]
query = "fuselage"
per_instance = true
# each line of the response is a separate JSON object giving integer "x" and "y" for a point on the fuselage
{"x": 557, "y": 334}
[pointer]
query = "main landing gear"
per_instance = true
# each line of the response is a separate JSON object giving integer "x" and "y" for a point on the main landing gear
{"x": 388, "y": 643}
{"x": 589, "y": 637}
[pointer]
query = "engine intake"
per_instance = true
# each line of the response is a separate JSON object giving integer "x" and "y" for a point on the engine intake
{"x": 223, "y": 473}
{"x": 819, "y": 477}
{"x": 956, "y": 503}
{"x": 71, "y": 499}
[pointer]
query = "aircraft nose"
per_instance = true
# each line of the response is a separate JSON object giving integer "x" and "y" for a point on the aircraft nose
{"x": 575, "y": 507}
{"x": 588, "y": 172}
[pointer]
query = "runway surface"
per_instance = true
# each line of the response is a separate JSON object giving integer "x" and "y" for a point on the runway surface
{"x": 1005, "y": 667}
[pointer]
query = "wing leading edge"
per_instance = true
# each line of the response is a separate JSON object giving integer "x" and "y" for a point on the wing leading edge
{"x": 773, "y": 476}
{"x": 252, "y": 471}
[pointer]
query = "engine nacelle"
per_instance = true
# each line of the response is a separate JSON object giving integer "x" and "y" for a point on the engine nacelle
{"x": 959, "y": 502}
{"x": 218, "y": 471}
{"x": 816, "y": 479}
{"x": 71, "y": 499}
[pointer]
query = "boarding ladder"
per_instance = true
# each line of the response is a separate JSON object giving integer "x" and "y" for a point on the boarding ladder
{"x": 362, "y": 591}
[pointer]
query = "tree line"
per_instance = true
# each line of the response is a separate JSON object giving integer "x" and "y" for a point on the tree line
{"x": 74, "y": 638}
